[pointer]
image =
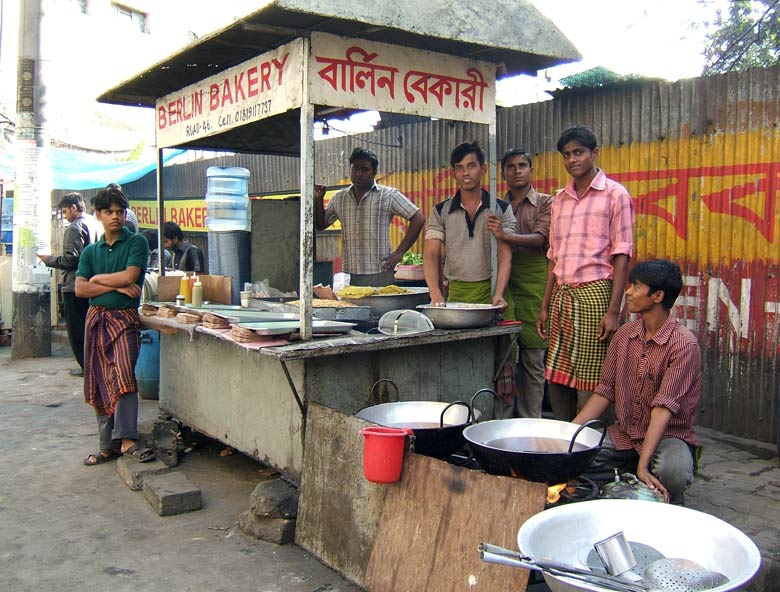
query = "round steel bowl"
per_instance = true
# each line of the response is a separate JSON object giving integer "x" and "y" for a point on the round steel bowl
{"x": 382, "y": 303}
{"x": 460, "y": 315}
{"x": 559, "y": 534}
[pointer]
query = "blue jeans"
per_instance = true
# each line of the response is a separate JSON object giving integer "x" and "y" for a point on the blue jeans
{"x": 672, "y": 464}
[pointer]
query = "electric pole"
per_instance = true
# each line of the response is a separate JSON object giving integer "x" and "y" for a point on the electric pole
{"x": 31, "y": 283}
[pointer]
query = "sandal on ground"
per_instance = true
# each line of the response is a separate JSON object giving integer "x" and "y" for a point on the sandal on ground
{"x": 140, "y": 454}
{"x": 100, "y": 457}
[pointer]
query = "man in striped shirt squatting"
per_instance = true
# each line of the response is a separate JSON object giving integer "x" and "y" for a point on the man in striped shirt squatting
{"x": 652, "y": 374}
{"x": 111, "y": 275}
{"x": 591, "y": 236}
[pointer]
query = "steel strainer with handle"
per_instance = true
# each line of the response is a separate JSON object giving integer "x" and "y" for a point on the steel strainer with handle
{"x": 680, "y": 575}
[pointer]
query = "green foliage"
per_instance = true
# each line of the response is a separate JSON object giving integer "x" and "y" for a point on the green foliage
{"x": 595, "y": 77}
{"x": 747, "y": 36}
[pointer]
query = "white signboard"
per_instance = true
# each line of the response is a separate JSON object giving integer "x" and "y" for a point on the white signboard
{"x": 264, "y": 86}
{"x": 367, "y": 75}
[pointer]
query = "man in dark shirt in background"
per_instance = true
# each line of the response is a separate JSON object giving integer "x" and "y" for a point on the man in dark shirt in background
{"x": 186, "y": 257}
{"x": 82, "y": 231}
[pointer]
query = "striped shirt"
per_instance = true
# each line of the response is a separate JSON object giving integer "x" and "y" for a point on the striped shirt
{"x": 365, "y": 225}
{"x": 639, "y": 375}
{"x": 467, "y": 256}
{"x": 588, "y": 230}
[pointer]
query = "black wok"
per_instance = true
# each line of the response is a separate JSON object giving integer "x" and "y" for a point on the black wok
{"x": 543, "y": 450}
{"x": 438, "y": 427}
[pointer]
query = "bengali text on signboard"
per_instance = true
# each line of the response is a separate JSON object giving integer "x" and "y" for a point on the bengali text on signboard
{"x": 367, "y": 75}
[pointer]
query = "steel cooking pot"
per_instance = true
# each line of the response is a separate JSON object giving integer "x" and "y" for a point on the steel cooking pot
{"x": 438, "y": 427}
{"x": 543, "y": 450}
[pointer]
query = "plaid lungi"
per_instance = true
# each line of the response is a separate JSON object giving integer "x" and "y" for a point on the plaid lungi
{"x": 111, "y": 345}
{"x": 575, "y": 356}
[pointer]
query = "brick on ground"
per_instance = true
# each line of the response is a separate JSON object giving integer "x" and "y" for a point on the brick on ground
{"x": 134, "y": 473}
{"x": 172, "y": 494}
{"x": 273, "y": 530}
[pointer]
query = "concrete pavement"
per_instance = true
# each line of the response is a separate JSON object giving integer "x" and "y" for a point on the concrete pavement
{"x": 739, "y": 482}
{"x": 69, "y": 527}
{"x": 75, "y": 528}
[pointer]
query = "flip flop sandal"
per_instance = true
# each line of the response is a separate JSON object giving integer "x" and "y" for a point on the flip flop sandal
{"x": 100, "y": 457}
{"x": 140, "y": 454}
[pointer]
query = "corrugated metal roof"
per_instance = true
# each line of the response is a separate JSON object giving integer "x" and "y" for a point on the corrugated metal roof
{"x": 511, "y": 33}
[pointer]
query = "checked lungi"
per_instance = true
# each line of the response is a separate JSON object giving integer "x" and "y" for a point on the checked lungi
{"x": 111, "y": 347}
{"x": 575, "y": 356}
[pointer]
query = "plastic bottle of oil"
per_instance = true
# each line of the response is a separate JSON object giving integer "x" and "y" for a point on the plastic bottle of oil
{"x": 197, "y": 293}
{"x": 184, "y": 289}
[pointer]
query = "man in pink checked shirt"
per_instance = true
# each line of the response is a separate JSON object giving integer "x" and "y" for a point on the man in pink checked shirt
{"x": 652, "y": 375}
{"x": 591, "y": 236}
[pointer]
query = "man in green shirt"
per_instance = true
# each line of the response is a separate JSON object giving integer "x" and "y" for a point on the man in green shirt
{"x": 111, "y": 275}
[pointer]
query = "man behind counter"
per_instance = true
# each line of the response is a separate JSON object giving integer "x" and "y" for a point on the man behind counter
{"x": 186, "y": 256}
{"x": 457, "y": 229}
{"x": 365, "y": 210}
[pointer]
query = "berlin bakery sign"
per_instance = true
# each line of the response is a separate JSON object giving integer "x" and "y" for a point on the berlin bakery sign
{"x": 342, "y": 73}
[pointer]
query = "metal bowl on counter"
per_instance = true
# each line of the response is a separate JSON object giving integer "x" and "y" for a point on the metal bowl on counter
{"x": 382, "y": 303}
{"x": 560, "y": 534}
{"x": 460, "y": 315}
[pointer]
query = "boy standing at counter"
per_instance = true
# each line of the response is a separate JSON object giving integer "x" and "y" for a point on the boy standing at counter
{"x": 457, "y": 231}
{"x": 591, "y": 236}
{"x": 111, "y": 275}
{"x": 529, "y": 246}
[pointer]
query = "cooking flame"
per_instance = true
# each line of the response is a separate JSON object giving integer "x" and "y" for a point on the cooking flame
{"x": 554, "y": 492}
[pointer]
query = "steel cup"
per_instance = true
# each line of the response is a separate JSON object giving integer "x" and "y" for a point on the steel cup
{"x": 615, "y": 553}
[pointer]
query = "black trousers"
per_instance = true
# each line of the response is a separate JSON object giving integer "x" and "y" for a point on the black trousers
{"x": 75, "y": 319}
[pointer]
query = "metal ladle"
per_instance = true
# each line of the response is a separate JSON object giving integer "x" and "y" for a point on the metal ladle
{"x": 680, "y": 575}
{"x": 495, "y": 554}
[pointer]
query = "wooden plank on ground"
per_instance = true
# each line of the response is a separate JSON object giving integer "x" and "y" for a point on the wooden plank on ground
{"x": 338, "y": 511}
{"x": 433, "y": 520}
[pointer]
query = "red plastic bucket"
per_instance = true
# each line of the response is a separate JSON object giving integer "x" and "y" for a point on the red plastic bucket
{"x": 383, "y": 453}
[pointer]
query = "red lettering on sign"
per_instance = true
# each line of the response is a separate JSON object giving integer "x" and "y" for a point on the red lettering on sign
{"x": 238, "y": 87}
{"x": 280, "y": 67}
{"x": 251, "y": 81}
{"x": 227, "y": 95}
{"x": 265, "y": 76}
{"x": 162, "y": 119}
{"x": 213, "y": 97}
{"x": 199, "y": 217}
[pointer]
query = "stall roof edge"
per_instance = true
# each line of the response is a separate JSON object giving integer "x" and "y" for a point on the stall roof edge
{"x": 436, "y": 25}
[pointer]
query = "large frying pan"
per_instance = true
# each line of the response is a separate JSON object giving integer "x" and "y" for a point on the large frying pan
{"x": 543, "y": 450}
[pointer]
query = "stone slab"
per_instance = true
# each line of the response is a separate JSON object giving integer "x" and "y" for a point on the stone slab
{"x": 134, "y": 473}
{"x": 172, "y": 494}
{"x": 280, "y": 531}
{"x": 274, "y": 499}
